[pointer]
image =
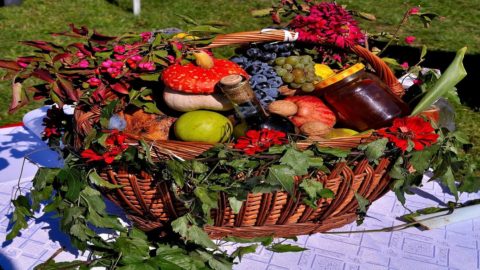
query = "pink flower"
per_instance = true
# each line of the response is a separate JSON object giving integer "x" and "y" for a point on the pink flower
{"x": 119, "y": 49}
{"x": 117, "y": 64}
{"x": 120, "y": 57}
{"x": 410, "y": 39}
{"x": 171, "y": 59}
{"x": 414, "y": 10}
{"x": 328, "y": 23}
{"x": 22, "y": 64}
{"x": 149, "y": 66}
{"x": 83, "y": 64}
{"x": 146, "y": 36}
{"x": 417, "y": 81}
{"x": 107, "y": 63}
{"x": 94, "y": 81}
{"x": 80, "y": 55}
{"x": 405, "y": 65}
{"x": 136, "y": 58}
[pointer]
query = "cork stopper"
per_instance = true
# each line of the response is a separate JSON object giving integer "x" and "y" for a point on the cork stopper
{"x": 237, "y": 89}
{"x": 231, "y": 80}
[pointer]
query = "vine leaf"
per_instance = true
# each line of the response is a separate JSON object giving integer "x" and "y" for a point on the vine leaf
{"x": 99, "y": 181}
{"x": 285, "y": 248}
{"x": 20, "y": 214}
{"x": 375, "y": 149}
{"x": 283, "y": 175}
{"x": 240, "y": 251}
{"x": 296, "y": 160}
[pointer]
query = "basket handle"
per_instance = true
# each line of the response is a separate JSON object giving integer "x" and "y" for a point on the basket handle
{"x": 268, "y": 35}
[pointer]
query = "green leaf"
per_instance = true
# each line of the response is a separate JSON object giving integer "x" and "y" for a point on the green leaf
{"x": 73, "y": 179}
{"x": 326, "y": 193}
{"x": 398, "y": 189}
{"x": 180, "y": 225}
{"x": 449, "y": 180}
{"x": 421, "y": 159}
{"x": 283, "y": 175}
{"x": 200, "y": 237}
{"x": 454, "y": 74}
{"x": 100, "y": 182}
{"x": 154, "y": 77}
{"x": 44, "y": 176}
{"x": 133, "y": 249}
{"x": 341, "y": 153}
{"x": 80, "y": 231}
{"x": 235, "y": 204}
{"x": 176, "y": 169}
{"x": 216, "y": 264}
{"x": 187, "y": 19}
{"x": 52, "y": 265}
{"x": 375, "y": 149}
{"x": 470, "y": 184}
{"x": 106, "y": 221}
{"x": 285, "y": 248}
{"x": 107, "y": 112}
{"x": 151, "y": 107}
{"x": 264, "y": 188}
{"x": 311, "y": 187}
{"x": 206, "y": 197}
{"x": 240, "y": 251}
{"x": 266, "y": 240}
{"x": 362, "y": 202}
{"x": 140, "y": 266}
{"x": 424, "y": 52}
{"x": 397, "y": 171}
{"x": 277, "y": 149}
{"x": 19, "y": 217}
{"x": 205, "y": 29}
{"x": 199, "y": 167}
{"x": 296, "y": 160}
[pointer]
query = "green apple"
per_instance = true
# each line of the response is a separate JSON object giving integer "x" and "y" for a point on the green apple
{"x": 203, "y": 126}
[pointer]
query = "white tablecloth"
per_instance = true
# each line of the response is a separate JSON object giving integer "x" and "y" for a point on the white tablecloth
{"x": 453, "y": 247}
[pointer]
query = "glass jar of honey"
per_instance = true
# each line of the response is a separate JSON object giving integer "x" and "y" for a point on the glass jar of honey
{"x": 360, "y": 99}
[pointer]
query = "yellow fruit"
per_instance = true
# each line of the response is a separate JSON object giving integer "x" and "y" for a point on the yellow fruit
{"x": 340, "y": 132}
{"x": 203, "y": 126}
{"x": 323, "y": 71}
{"x": 185, "y": 36}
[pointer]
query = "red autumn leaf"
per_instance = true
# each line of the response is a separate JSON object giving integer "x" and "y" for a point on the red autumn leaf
{"x": 81, "y": 48}
{"x": 83, "y": 31}
{"x": 42, "y": 45}
{"x": 11, "y": 65}
{"x": 120, "y": 88}
{"x": 43, "y": 74}
{"x": 101, "y": 39}
{"x": 61, "y": 56}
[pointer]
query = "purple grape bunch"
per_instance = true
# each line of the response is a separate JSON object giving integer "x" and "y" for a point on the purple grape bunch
{"x": 257, "y": 63}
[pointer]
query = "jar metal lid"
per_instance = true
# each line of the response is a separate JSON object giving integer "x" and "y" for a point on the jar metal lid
{"x": 340, "y": 76}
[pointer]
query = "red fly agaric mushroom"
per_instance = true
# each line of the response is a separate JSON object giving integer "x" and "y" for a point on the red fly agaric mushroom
{"x": 199, "y": 78}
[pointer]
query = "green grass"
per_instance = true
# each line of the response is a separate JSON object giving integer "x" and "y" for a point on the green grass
{"x": 456, "y": 27}
{"x": 36, "y": 19}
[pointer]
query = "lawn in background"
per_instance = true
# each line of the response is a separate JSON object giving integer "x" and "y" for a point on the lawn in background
{"x": 35, "y": 19}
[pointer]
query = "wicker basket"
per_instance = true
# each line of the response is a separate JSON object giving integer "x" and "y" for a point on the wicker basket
{"x": 150, "y": 203}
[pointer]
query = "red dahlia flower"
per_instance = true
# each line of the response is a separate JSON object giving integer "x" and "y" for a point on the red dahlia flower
{"x": 414, "y": 129}
{"x": 257, "y": 141}
{"x": 328, "y": 23}
{"x": 115, "y": 145}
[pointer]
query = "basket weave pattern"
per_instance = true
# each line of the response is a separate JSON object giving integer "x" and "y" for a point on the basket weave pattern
{"x": 151, "y": 203}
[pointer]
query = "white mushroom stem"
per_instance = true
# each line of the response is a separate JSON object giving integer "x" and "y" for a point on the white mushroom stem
{"x": 190, "y": 102}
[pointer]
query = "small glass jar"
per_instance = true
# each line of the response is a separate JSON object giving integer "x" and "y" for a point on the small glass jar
{"x": 361, "y": 100}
